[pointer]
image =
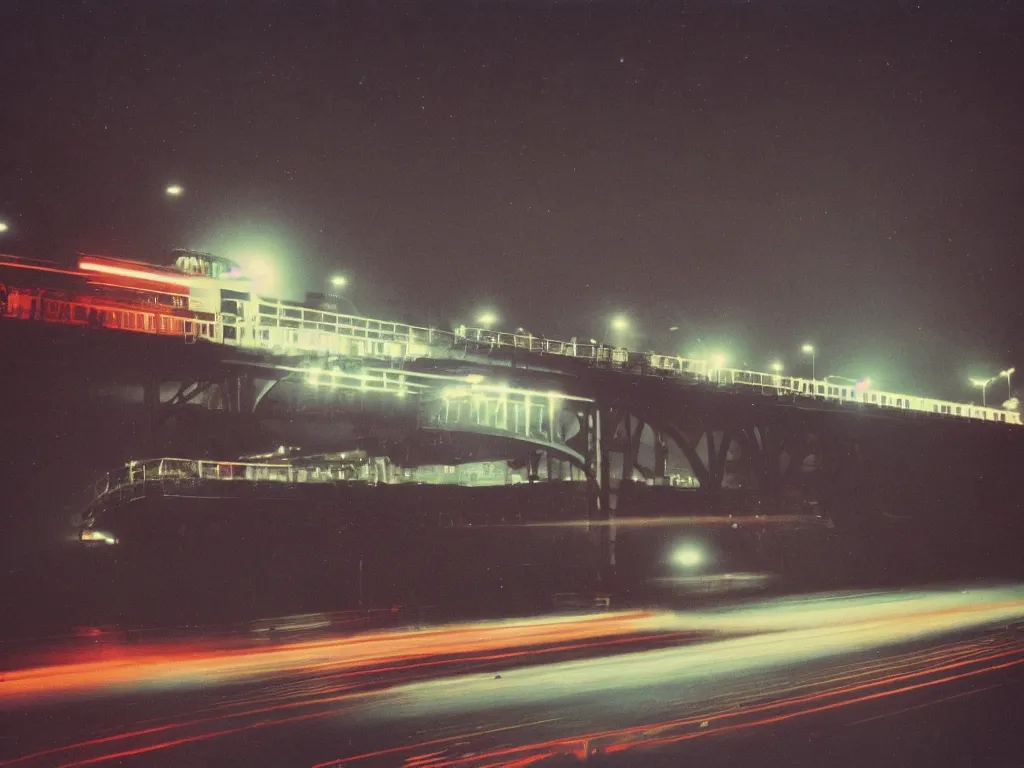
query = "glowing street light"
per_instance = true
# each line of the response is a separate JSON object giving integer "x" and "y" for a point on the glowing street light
{"x": 339, "y": 281}
{"x": 620, "y": 323}
{"x": 777, "y": 367}
{"x": 688, "y": 556}
{"x": 1008, "y": 373}
{"x": 487, "y": 319}
{"x": 808, "y": 349}
{"x": 983, "y": 385}
{"x": 175, "y": 190}
{"x": 3, "y": 226}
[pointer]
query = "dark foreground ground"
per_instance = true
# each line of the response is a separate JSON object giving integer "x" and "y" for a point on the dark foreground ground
{"x": 871, "y": 678}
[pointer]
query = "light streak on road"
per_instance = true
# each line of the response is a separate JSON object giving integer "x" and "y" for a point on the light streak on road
{"x": 195, "y": 664}
{"x": 518, "y": 692}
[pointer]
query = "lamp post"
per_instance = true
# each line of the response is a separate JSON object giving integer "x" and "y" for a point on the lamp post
{"x": 983, "y": 385}
{"x": 337, "y": 282}
{"x": 808, "y": 349}
{"x": 1009, "y": 388}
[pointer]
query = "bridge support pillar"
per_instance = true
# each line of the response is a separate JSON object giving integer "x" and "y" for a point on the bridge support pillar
{"x": 603, "y": 432}
{"x": 151, "y": 403}
{"x": 242, "y": 392}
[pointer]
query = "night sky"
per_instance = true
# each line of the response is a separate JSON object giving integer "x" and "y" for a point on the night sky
{"x": 754, "y": 174}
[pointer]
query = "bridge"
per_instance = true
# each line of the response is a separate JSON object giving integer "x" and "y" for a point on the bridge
{"x": 616, "y": 441}
{"x": 285, "y": 329}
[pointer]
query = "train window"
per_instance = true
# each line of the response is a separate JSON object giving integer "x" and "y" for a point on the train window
{"x": 899, "y": 402}
{"x": 958, "y": 410}
{"x": 883, "y": 399}
{"x": 844, "y": 392}
{"x": 935, "y": 409}
{"x": 1002, "y": 417}
{"x": 821, "y": 389}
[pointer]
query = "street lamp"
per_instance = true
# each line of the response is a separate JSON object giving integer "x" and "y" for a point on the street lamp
{"x": 1009, "y": 389}
{"x": 620, "y": 323}
{"x": 174, "y": 190}
{"x": 3, "y": 226}
{"x": 983, "y": 384}
{"x": 487, "y": 319}
{"x": 339, "y": 281}
{"x": 777, "y": 367}
{"x": 808, "y": 349}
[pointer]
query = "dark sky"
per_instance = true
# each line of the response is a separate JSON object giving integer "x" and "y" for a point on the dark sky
{"x": 756, "y": 173}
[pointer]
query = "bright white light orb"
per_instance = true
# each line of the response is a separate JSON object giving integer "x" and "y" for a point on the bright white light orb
{"x": 620, "y": 323}
{"x": 487, "y": 319}
{"x": 688, "y": 556}
{"x": 175, "y": 190}
{"x": 339, "y": 281}
{"x": 3, "y": 226}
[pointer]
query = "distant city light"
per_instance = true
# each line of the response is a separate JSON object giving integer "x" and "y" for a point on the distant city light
{"x": 620, "y": 323}
{"x": 175, "y": 190}
{"x": 339, "y": 281}
{"x": 487, "y": 319}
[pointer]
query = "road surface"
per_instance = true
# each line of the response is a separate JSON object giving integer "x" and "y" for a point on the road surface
{"x": 905, "y": 678}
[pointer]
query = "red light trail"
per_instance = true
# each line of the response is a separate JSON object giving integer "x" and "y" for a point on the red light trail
{"x": 773, "y": 662}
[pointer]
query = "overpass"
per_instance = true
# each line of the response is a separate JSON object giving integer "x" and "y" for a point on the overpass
{"x": 633, "y": 437}
{"x": 285, "y": 329}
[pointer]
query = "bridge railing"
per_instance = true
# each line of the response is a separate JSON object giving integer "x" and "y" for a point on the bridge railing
{"x": 129, "y": 481}
{"x": 853, "y": 393}
{"x": 599, "y": 353}
{"x": 287, "y": 327}
{"x": 23, "y": 305}
{"x": 767, "y": 382}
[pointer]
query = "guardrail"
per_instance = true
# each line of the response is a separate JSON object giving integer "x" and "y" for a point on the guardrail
{"x": 125, "y": 483}
{"x": 704, "y": 370}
